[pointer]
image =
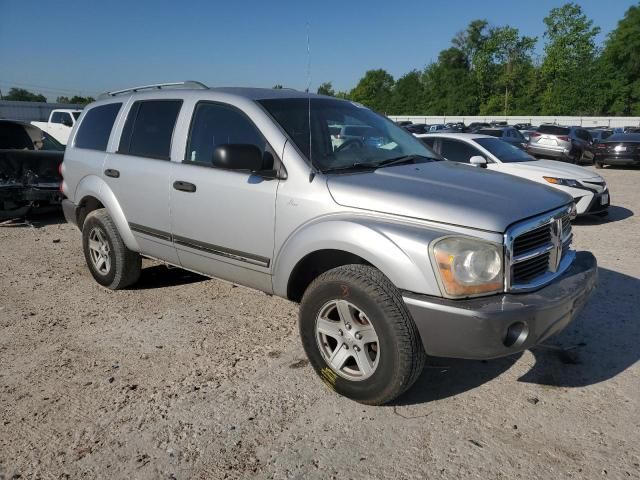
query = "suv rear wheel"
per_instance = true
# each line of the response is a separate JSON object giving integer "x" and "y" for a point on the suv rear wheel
{"x": 359, "y": 336}
{"x": 110, "y": 262}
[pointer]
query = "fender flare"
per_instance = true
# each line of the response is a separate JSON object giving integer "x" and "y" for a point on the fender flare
{"x": 358, "y": 237}
{"x": 94, "y": 186}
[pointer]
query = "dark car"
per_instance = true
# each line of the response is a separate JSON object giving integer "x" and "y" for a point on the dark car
{"x": 29, "y": 163}
{"x": 508, "y": 134}
{"x": 569, "y": 144}
{"x": 618, "y": 149}
{"x": 473, "y": 126}
{"x": 417, "y": 128}
{"x": 403, "y": 123}
{"x": 600, "y": 134}
{"x": 523, "y": 126}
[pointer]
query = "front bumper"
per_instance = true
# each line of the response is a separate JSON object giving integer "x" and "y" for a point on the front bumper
{"x": 478, "y": 328}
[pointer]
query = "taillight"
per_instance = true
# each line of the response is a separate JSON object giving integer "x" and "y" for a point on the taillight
{"x": 564, "y": 138}
{"x": 534, "y": 134}
{"x": 60, "y": 169}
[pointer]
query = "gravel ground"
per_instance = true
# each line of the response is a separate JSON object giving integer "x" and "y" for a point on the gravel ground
{"x": 186, "y": 377}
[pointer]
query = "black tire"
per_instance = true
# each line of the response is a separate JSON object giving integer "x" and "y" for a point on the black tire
{"x": 125, "y": 264}
{"x": 402, "y": 356}
{"x": 598, "y": 164}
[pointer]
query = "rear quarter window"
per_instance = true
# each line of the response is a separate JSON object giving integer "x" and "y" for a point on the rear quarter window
{"x": 95, "y": 129}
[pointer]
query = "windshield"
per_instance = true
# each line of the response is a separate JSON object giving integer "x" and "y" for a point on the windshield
{"x": 489, "y": 131}
{"x": 364, "y": 139}
{"x": 503, "y": 151}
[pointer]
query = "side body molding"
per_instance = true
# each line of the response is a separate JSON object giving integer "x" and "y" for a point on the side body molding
{"x": 94, "y": 186}
{"x": 397, "y": 250}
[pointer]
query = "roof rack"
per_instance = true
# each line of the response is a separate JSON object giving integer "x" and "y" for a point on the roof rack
{"x": 157, "y": 86}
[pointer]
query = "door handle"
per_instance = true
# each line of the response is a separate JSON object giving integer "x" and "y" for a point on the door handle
{"x": 110, "y": 172}
{"x": 184, "y": 186}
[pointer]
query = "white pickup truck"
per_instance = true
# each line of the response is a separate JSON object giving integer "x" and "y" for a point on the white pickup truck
{"x": 60, "y": 123}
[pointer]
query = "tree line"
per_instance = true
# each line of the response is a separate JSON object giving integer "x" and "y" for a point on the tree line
{"x": 23, "y": 95}
{"x": 493, "y": 70}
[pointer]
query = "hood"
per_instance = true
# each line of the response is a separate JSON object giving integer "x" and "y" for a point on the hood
{"x": 552, "y": 168}
{"x": 447, "y": 192}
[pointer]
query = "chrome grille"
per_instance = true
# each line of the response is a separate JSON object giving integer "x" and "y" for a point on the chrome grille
{"x": 538, "y": 250}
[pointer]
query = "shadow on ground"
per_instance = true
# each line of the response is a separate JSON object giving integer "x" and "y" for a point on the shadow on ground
{"x": 601, "y": 343}
{"x": 159, "y": 276}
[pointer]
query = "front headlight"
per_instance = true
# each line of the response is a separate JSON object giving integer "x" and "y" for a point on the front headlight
{"x": 468, "y": 267}
{"x": 567, "y": 182}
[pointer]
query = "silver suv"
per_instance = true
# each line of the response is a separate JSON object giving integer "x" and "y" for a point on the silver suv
{"x": 392, "y": 252}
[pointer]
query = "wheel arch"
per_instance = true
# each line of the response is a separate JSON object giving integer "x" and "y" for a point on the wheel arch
{"x": 95, "y": 193}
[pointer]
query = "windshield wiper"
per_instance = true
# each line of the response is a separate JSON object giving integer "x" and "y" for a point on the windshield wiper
{"x": 403, "y": 160}
{"x": 355, "y": 167}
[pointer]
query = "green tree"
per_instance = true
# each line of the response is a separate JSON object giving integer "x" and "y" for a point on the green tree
{"x": 23, "y": 95}
{"x": 569, "y": 63}
{"x": 509, "y": 59}
{"x": 326, "y": 89}
{"x": 407, "y": 95}
{"x": 343, "y": 95}
{"x": 76, "y": 99}
{"x": 620, "y": 66}
{"x": 449, "y": 86}
{"x": 374, "y": 90}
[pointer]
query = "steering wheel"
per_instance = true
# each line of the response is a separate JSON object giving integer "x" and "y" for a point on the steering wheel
{"x": 348, "y": 143}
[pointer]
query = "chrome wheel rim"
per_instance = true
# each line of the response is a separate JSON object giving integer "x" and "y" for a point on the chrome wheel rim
{"x": 347, "y": 340}
{"x": 99, "y": 251}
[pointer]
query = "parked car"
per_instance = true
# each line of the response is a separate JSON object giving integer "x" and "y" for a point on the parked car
{"x": 473, "y": 126}
{"x": 631, "y": 129}
{"x": 619, "y": 149}
{"x": 508, "y": 134}
{"x": 29, "y": 162}
{"x": 569, "y": 144}
{"x": 417, "y": 128}
{"x": 458, "y": 126}
{"x": 600, "y": 134}
{"x": 404, "y": 123}
{"x": 523, "y": 126}
{"x": 527, "y": 133}
{"x": 437, "y": 127}
{"x": 391, "y": 252}
{"x": 365, "y": 133}
{"x": 60, "y": 123}
{"x": 588, "y": 189}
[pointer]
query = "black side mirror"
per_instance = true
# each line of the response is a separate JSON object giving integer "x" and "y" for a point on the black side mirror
{"x": 245, "y": 157}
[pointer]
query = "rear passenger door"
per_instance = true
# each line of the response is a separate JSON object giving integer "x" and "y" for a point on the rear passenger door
{"x": 223, "y": 225}
{"x": 139, "y": 174}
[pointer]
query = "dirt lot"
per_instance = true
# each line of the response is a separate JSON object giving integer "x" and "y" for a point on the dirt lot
{"x": 185, "y": 377}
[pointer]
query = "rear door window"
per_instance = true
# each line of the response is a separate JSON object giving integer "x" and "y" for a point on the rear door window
{"x": 149, "y": 128}
{"x": 457, "y": 151}
{"x": 96, "y": 127}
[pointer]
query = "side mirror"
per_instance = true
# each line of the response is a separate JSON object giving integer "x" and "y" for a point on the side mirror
{"x": 67, "y": 123}
{"x": 478, "y": 161}
{"x": 245, "y": 157}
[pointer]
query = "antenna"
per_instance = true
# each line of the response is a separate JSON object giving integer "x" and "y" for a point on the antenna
{"x": 314, "y": 170}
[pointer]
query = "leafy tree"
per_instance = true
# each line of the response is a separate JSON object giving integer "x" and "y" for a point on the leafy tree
{"x": 326, "y": 89}
{"x": 23, "y": 95}
{"x": 471, "y": 40}
{"x": 449, "y": 86}
{"x": 509, "y": 57}
{"x": 569, "y": 63}
{"x": 76, "y": 99}
{"x": 374, "y": 90}
{"x": 407, "y": 95}
{"x": 343, "y": 95}
{"x": 620, "y": 65}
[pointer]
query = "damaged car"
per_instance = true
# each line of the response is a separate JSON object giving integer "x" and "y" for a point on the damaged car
{"x": 29, "y": 169}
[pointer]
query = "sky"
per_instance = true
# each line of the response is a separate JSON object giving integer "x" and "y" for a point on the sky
{"x": 87, "y": 47}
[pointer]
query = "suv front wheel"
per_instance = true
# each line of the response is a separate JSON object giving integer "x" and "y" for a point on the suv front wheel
{"x": 110, "y": 262}
{"x": 359, "y": 336}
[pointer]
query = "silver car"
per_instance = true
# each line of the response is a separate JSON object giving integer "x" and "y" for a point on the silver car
{"x": 392, "y": 252}
{"x": 568, "y": 144}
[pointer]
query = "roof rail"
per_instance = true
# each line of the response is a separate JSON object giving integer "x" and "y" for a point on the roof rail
{"x": 158, "y": 86}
